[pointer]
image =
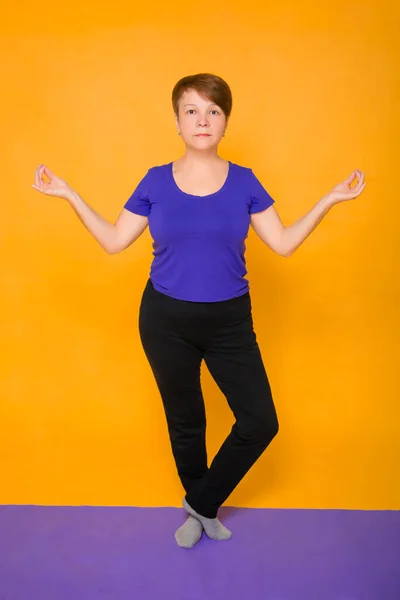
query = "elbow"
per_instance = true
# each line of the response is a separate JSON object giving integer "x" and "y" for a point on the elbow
{"x": 112, "y": 249}
{"x": 288, "y": 253}
{"x": 283, "y": 247}
{"x": 113, "y": 243}
{"x": 113, "y": 246}
{"x": 285, "y": 252}
{"x": 108, "y": 249}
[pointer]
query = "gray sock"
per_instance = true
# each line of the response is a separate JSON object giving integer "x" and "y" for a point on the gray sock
{"x": 213, "y": 527}
{"x": 189, "y": 533}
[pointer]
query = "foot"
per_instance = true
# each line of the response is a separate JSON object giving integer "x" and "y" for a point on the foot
{"x": 213, "y": 527}
{"x": 189, "y": 533}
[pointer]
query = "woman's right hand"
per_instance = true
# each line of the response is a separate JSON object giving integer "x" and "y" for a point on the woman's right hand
{"x": 55, "y": 187}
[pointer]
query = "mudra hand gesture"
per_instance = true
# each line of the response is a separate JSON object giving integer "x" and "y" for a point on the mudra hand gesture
{"x": 55, "y": 187}
{"x": 342, "y": 191}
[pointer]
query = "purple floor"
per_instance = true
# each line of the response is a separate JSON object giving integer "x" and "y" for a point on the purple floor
{"x": 86, "y": 553}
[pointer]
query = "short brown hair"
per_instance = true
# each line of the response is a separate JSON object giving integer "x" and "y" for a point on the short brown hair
{"x": 206, "y": 84}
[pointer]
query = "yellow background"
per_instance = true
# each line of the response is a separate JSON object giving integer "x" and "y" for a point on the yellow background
{"x": 86, "y": 90}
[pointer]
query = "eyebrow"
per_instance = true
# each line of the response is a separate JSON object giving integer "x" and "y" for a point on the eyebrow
{"x": 212, "y": 104}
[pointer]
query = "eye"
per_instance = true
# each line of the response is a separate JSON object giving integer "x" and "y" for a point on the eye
{"x": 215, "y": 111}
{"x": 190, "y": 110}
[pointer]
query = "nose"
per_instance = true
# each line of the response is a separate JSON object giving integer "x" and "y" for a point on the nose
{"x": 203, "y": 122}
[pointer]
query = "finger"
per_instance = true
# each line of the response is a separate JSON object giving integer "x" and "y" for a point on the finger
{"x": 42, "y": 189}
{"x": 37, "y": 182}
{"x": 358, "y": 192}
{"x": 361, "y": 179}
{"x": 48, "y": 172}
{"x": 351, "y": 177}
{"x": 358, "y": 182}
{"x": 41, "y": 173}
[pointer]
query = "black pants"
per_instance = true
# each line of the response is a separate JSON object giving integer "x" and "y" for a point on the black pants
{"x": 176, "y": 336}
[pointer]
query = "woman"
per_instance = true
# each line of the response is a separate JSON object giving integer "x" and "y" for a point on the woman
{"x": 196, "y": 304}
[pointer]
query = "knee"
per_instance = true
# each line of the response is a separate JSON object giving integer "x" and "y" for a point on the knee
{"x": 268, "y": 429}
{"x": 262, "y": 430}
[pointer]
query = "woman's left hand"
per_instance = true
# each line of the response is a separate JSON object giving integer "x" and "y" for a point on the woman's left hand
{"x": 343, "y": 191}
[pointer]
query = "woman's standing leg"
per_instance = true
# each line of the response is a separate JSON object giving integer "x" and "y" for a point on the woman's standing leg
{"x": 176, "y": 367}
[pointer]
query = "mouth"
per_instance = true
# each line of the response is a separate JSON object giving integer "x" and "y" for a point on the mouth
{"x": 202, "y": 135}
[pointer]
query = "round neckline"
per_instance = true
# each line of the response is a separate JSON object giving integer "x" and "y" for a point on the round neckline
{"x": 171, "y": 165}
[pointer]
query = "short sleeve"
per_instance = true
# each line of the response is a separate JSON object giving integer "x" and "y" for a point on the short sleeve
{"x": 259, "y": 197}
{"x": 139, "y": 201}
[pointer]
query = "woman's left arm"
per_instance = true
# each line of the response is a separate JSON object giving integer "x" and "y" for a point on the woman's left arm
{"x": 285, "y": 240}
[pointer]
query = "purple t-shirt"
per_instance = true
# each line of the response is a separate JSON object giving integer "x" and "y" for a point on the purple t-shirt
{"x": 199, "y": 241}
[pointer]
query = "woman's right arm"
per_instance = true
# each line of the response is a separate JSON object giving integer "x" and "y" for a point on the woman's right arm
{"x": 112, "y": 238}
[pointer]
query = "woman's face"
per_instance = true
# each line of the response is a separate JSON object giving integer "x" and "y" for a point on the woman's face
{"x": 198, "y": 115}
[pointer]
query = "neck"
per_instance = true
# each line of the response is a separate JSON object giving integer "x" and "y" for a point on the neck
{"x": 194, "y": 158}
